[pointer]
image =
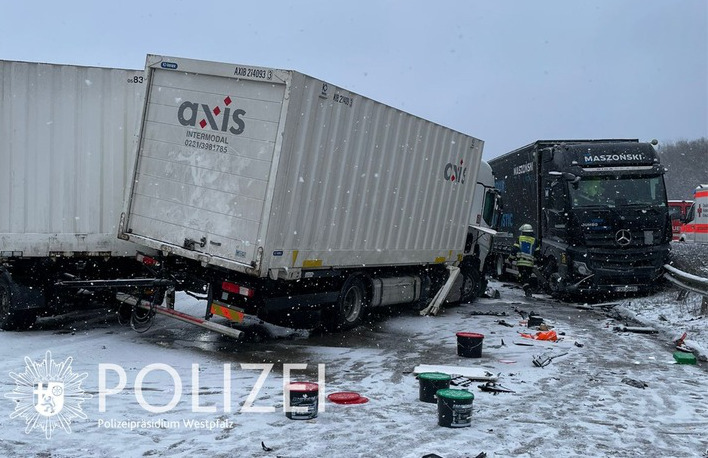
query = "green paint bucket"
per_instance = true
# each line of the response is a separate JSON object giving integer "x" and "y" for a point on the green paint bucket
{"x": 454, "y": 408}
{"x": 430, "y": 383}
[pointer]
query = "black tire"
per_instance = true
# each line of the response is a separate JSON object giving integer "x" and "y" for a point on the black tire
{"x": 471, "y": 285}
{"x": 10, "y": 319}
{"x": 555, "y": 286}
{"x": 349, "y": 310}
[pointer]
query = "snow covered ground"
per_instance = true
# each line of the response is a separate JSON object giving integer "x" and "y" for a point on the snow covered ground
{"x": 185, "y": 390}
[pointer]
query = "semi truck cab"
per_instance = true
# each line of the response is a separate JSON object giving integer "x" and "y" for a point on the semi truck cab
{"x": 600, "y": 208}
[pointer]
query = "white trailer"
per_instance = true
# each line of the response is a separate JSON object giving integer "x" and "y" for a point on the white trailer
{"x": 286, "y": 193}
{"x": 67, "y": 145}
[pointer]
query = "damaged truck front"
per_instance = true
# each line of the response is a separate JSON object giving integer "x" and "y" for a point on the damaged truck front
{"x": 599, "y": 208}
{"x": 289, "y": 198}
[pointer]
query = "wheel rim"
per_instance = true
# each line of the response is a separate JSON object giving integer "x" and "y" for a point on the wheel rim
{"x": 500, "y": 266}
{"x": 470, "y": 287}
{"x": 352, "y": 303}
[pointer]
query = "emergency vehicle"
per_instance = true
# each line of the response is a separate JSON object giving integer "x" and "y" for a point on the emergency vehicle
{"x": 678, "y": 209}
{"x": 695, "y": 227}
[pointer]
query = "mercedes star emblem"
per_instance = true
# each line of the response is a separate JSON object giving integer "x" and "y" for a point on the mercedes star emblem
{"x": 623, "y": 237}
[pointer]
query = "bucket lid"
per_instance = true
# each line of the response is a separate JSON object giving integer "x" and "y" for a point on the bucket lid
{"x": 434, "y": 376}
{"x": 347, "y": 397}
{"x": 303, "y": 386}
{"x": 455, "y": 395}
{"x": 470, "y": 334}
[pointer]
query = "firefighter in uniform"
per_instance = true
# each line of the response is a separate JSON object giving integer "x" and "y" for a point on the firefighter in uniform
{"x": 526, "y": 250}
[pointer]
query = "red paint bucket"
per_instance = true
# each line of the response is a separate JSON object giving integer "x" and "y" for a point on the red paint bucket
{"x": 303, "y": 398}
{"x": 469, "y": 344}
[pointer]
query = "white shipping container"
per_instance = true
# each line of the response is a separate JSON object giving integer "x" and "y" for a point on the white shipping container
{"x": 67, "y": 147}
{"x": 272, "y": 172}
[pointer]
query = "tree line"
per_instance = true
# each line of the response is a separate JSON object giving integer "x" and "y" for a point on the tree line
{"x": 687, "y": 164}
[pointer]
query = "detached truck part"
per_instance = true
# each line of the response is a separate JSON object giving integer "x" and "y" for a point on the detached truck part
{"x": 598, "y": 208}
{"x": 293, "y": 199}
{"x": 68, "y": 135}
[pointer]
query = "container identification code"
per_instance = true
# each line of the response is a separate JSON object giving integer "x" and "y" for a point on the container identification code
{"x": 254, "y": 73}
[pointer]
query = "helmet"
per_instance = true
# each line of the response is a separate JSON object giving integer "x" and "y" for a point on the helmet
{"x": 526, "y": 228}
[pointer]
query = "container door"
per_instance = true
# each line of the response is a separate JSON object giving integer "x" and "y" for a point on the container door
{"x": 205, "y": 158}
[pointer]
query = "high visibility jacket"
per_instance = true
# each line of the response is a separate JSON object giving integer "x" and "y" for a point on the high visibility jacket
{"x": 525, "y": 249}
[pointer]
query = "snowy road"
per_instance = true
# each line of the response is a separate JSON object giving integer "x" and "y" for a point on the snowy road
{"x": 578, "y": 405}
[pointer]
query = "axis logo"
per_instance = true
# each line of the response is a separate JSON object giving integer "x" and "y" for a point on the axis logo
{"x": 48, "y": 394}
{"x": 189, "y": 112}
{"x": 455, "y": 173}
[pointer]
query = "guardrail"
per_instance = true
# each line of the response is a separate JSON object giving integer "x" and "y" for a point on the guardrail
{"x": 686, "y": 281}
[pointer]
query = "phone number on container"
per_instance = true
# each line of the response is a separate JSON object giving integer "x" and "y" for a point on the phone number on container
{"x": 206, "y": 146}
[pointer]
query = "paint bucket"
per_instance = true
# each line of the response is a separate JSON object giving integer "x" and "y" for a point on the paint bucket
{"x": 454, "y": 408}
{"x": 430, "y": 383}
{"x": 469, "y": 344}
{"x": 303, "y": 398}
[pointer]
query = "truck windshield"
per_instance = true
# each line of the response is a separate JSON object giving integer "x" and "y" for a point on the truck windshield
{"x": 618, "y": 191}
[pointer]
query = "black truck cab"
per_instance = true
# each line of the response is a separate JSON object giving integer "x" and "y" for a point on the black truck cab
{"x": 599, "y": 209}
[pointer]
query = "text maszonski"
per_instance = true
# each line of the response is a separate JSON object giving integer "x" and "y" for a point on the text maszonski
{"x": 613, "y": 157}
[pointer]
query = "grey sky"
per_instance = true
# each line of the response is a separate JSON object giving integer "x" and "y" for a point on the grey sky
{"x": 506, "y": 71}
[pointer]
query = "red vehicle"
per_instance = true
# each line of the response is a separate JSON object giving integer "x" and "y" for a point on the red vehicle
{"x": 677, "y": 212}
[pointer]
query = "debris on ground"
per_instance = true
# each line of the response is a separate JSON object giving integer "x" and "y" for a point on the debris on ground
{"x": 683, "y": 357}
{"x": 636, "y": 329}
{"x": 534, "y": 320}
{"x": 635, "y": 383}
{"x": 504, "y": 323}
{"x": 545, "y": 359}
{"x": 459, "y": 380}
{"x": 487, "y": 313}
{"x": 541, "y": 335}
{"x": 495, "y": 388}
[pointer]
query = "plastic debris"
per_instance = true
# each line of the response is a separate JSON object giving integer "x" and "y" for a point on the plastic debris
{"x": 542, "y": 335}
{"x": 544, "y": 360}
{"x": 635, "y": 383}
{"x": 492, "y": 387}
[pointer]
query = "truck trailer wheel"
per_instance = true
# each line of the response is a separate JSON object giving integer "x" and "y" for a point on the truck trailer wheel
{"x": 13, "y": 320}
{"x": 349, "y": 310}
{"x": 471, "y": 285}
